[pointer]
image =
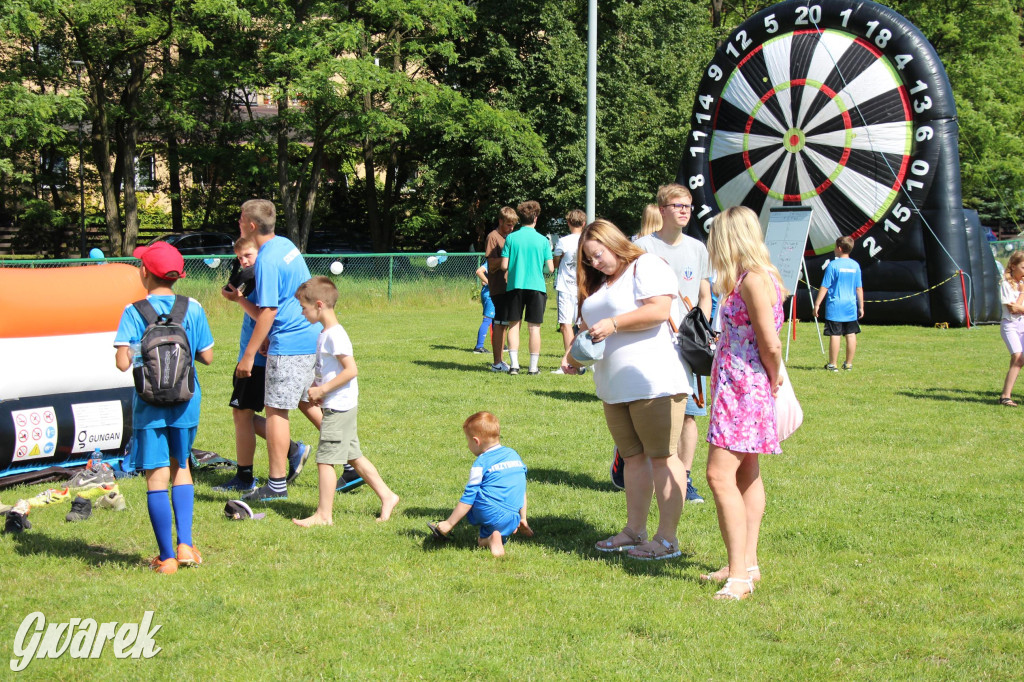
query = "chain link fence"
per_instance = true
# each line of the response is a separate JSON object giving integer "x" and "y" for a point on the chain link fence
{"x": 368, "y": 278}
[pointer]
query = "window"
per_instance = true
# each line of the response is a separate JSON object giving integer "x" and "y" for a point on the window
{"x": 53, "y": 170}
{"x": 145, "y": 172}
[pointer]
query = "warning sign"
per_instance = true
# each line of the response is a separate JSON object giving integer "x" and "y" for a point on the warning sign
{"x": 97, "y": 425}
{"x": 34, "y": 442}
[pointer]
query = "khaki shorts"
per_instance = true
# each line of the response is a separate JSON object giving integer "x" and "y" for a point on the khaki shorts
{"x": 651, "y": 427}
{"x": 339, "y": 440}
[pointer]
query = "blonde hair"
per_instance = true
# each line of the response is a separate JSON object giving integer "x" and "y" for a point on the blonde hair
{"x": 651, "y": 222}
{"x": 243, "y": 243}
{"x": 318, "y": 288}
{"x": 604, "y": 232}
{"x": 508, "y": 213}
{"x": 736, "y": 245}
{"x": 1015, "y": 258}
{"x": 261, "y": 212}
{"x": 482, "y": 425}
{"x": 670, "y": 191}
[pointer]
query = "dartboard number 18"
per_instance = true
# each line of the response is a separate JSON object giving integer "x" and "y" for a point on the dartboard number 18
{"x": 822, "y": 105}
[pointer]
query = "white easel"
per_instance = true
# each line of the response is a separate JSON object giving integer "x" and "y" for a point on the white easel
{"x": 786, "y": 239}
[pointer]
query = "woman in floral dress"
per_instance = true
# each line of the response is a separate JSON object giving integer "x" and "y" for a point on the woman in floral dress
{"x": 744, "y": 381}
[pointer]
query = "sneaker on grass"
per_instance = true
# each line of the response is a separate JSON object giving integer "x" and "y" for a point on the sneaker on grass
{"x": 349, "y": 480}
{"x": 114, "y": 501}
{"x": 81, "y": 509}
{"x": 692, "y": 496}
{"x": 237, "y": 485}
{"x": 264, "y": 494}
{"x": 499, "y": 367}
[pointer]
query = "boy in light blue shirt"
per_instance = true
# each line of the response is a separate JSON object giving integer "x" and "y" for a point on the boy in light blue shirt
{"x": 845, "y": 304}
{"x": 495, "y": 496}
{"x": 164, "y": 434}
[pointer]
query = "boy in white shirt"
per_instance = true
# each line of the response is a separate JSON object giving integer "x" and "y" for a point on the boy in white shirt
{"x": 336, "y": 391}
{"x": 565, "y": 281}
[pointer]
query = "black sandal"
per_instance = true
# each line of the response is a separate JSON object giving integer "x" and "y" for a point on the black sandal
{"x": 1008, "y": 402}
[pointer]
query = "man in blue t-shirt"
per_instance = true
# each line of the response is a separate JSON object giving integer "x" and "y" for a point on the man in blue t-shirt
{"x": 845, "y": 304}
{"x": 291, "y": 352}
{"x": 495, "y": 496}
{"x": 164, "y": 434}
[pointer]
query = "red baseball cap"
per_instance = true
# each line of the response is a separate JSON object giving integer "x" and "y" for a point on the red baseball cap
{"x": 161, "y": 259}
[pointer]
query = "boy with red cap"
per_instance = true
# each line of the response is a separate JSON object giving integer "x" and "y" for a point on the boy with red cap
{"x": 164, "y": 434}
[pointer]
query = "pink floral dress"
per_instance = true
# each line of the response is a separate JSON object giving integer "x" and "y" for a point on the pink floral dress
{"x": 743, "y": 411}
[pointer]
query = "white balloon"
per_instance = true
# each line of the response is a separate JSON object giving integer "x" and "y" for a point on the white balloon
{"x": 337, "y": 267}
{"x": 432, "y": 261}
{"x": 212, "y": 262}
{"x": 1009, "y": 248}
{"x": 442, "y": 256}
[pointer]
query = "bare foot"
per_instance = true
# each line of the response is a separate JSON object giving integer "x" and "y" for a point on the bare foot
{"x": 387, "y": 507}
{"x": 524, "y": 529}
{"x": 495, "y": 544}
{"x": 314, "y": 520}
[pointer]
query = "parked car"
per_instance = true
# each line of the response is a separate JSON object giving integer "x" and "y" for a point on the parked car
{"x": 199, "y": 243}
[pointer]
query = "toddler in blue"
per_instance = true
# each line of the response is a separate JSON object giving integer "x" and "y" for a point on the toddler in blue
{"x": 495, "y": 496}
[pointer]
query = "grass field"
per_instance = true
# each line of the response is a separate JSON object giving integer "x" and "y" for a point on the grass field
{"x": 891, "y": 547}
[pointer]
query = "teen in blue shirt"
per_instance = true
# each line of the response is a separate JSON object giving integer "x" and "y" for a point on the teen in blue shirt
{"x": 845, "y": 304}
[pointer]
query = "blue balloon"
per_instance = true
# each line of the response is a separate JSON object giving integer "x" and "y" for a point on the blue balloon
{"x": 96, "y": 254}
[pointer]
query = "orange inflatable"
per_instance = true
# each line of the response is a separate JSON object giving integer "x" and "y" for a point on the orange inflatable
{"x": 61, "y": 301}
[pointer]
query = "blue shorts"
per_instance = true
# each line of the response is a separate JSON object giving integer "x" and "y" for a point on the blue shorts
{"x": 691, "y": 405}
{"x": 485, "y": 299}
{"x": 155, "y": 447}
{"x": 505, "y": 523}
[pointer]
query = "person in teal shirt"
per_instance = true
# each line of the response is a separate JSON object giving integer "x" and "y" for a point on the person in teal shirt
{"x": 526, "y": 256}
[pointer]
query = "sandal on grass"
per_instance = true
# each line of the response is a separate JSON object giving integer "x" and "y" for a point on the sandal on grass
{"x": 753, "y": 572}
{"x": 632, "y": 540}
{"x": 436, "y": 532}
{"x": 725, "y": 593}
{"x": 1008, "y": 402}
{"x": 655, "y": 550}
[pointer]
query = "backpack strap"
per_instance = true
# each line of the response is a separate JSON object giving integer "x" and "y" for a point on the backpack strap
{"x": 146, "y": 310}
{"x": 179, "y": 309}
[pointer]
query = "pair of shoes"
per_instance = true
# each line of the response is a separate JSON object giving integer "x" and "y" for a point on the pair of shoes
{"x": 831, "y": 368}
{"x": 692, "y": 496}
{"x": 498, "y": 367}
{"x": 114, "y": 501}
{"x": 237, "y": 485}
{"x": 633, "y": 539}
{"x": 557, "y": 371}
{"x": 51, "y": 496}
{"x": 17, "y": 518}
{"x": 167, "y": 566}
{"x": 513, "y": 371}
{"x": 618, "y": 469}
{"x": 264, "y": 494}
{"x": 297, "y": 460}
{"x": 753, "y": 572}
{"x": 533, "y": 372}
{"x": 656, "y": 550}
{"x": 1008, "y": 402}
{"x": 188, "y": 556}
{"x": 349, "y": 480}
{"x": 81, "y": 509}
{"x": 847, "y": 366}
{"x": 480, "y": 349}
{"x": 727, "y": 594}
{"x": 95, "y": 474}
{"x": 436, "y": 532}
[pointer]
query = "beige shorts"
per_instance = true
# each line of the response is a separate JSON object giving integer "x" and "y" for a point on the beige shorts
{"x": 651, "y": 427}
{"x": 339, "y": 440}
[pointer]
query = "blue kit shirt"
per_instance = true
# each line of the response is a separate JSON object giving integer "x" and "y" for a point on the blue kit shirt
{"x": 280, "y": 270}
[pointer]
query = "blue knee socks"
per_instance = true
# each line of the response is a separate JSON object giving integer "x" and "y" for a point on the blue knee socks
{"x": 183, "y": 498}
{"x": 481, "y": 334}
{"x": 159, "y": 506}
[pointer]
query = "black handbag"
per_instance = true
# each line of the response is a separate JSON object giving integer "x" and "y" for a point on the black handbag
{"x": 697, "y": 341}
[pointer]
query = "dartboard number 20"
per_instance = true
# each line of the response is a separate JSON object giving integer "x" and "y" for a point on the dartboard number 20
{"x": 823, "y": 105}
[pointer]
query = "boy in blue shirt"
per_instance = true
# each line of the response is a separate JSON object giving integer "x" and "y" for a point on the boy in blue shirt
{"x": 488, "y": 305}
{"x": 845, "y": 305}
{"x": 164, "y": 435}
{"x": 495, "y": 496}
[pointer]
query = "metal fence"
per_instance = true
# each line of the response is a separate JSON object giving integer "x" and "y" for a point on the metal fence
{"x": 373, "y": 276}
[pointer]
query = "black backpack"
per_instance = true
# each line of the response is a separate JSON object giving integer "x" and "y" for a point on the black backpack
{"x": 166, "y": 375}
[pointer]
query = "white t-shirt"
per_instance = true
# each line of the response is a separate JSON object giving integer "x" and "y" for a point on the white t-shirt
{"x": 637, "y": 365}
{"x": 689, "y": 260}
{"x": 1008, "y": 294}
{"x": 331, "y": 343}
{"x": 567, "y": 247}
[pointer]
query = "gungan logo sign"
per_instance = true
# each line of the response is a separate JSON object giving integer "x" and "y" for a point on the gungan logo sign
{"x": 82, "y": 638}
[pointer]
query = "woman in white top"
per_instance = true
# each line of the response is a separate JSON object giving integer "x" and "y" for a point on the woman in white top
{"x": 625, "y": 300}
{"x": 1011, "y": 294}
